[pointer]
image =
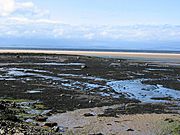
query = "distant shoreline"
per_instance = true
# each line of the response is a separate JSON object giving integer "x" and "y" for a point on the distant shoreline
{"x": 96, "y": 50}
{"x": 127, "y": 55}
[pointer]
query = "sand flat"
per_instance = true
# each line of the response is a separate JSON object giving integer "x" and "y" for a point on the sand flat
{"x": 141, "y": 124}
{"x": 100, "y": 53}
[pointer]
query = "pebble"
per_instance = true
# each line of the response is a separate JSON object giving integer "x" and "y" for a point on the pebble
{"x": 41, "y": 119}
{"x": 130, "y": 129}
{"x": 88, "y": 114}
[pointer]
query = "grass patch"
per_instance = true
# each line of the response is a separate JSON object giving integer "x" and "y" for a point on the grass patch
{"x": 176, "y": 130}
{"x": 39, "y": 106}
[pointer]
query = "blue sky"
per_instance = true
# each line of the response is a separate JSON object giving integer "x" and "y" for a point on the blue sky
{"x": 114, "y": 12}
{"x": 105, "y": 23}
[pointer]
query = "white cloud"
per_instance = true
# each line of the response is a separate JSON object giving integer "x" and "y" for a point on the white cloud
{"x": 25, "y": 5}
{"x": 20, "y": 8}
{"x": 25, "y": 19}
{"x": 45, "y": 28}
{"x": 7, "y": 7}
{"x": 89, "y": 35}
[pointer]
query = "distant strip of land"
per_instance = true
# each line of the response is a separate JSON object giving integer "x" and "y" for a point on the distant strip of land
{"x": 139, "y": 55}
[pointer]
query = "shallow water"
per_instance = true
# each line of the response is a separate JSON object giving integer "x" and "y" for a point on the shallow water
{"x": 143, "y": 92}
{"x": 133, "y": 89}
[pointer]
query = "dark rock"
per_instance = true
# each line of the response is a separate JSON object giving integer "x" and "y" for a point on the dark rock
{"x": 169, "y": 120}
{"x": 41, "y": 119}
{"x": 96, "y": 134}
{"x": 17, "y": 56}
{"x": 61, "y": 129}
{"x": 56, "y": 128}
{"x": 2, "y": 107}
{"x": 88, "y": 114}
{"x": 49, "y": 124}
{"x": 61, "y": 95}
{"x": 78, "y": 127}
{"x": 83, "y": 66}
{"x": 3, "y": 124}
{"x": 10, "y": 117}
{"x": 130, "y": 129}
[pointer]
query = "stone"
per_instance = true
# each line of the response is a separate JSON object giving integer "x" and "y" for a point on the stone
{"x": 2, "y": 107}
{"x": 169, "y": 120}
{"x": 130, "y": 129}
{"x": 41, "y": 119}
{"x": 88, "y": 114}
{"x": 96, "y": 134}
{"x": 55, "y": 128}
{"x": 49, "y": 124}
{"x": 83, "y": 66}
{"x": 17, "y": 56}
{"x": 3, "y": 124}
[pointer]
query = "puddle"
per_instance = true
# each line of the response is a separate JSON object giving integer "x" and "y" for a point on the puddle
{"x": 19, "y": 72}
{"x": 83, "y": 86}
{"x": 83, "y": 77}
{"x": 45, "y": 64}
{"x": 135, "y": 89}
{"x": 33, "y": 91}
{"x": 158, "y": 69}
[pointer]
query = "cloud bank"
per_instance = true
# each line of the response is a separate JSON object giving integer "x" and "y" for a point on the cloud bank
{"x": 23, "y": 19}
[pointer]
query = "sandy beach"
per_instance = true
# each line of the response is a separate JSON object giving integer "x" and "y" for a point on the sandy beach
{"x": 129, "y": 55}
{"x": 141, "y": 124}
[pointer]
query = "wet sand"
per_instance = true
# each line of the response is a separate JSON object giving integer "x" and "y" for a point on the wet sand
{"x": 138, "y": 124}
{"x": 131, "y": 55}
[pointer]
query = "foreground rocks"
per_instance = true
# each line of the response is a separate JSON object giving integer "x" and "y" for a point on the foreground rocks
{"x": 11, "y": 124}
{"x": 20, "y": 128}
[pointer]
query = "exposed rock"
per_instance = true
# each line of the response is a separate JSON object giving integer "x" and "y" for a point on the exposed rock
{"x": 169, "y": 120}
{"x": 88, "y": 114}
{"x": 2, "y": 107}
{"x": 41, "y": 118}
{"x": 17, "y": 56}
{"x": 83, "y": 66}
{"x": 56, "y": 129}
{"x": 49, "y": 124}
{"x": 130, "y": 129}
{"x": 96, "y": 134}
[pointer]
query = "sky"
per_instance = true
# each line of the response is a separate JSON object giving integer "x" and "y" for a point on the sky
{"x": 121, "y": 24}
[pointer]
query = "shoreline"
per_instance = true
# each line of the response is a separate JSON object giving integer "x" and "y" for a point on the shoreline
{"x": 127, "y": 55}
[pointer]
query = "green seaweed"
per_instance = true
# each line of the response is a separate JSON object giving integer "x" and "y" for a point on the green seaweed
{"x": 176, "y": 130}
{"x": 14, "y": 100}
